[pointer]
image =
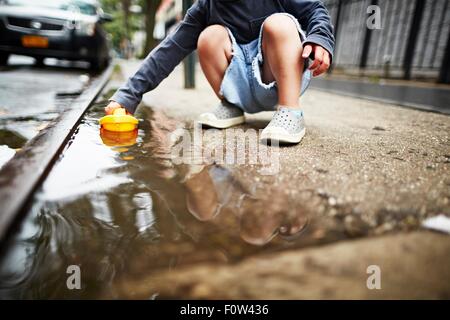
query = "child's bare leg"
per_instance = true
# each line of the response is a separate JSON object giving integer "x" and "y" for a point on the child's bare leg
{"x": 215, "y": 52}
{"x": 283, "y": 62}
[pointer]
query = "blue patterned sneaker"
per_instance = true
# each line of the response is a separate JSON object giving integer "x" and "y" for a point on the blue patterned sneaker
{"x": 286, "y": 126}
{"x": 224, "y": 116}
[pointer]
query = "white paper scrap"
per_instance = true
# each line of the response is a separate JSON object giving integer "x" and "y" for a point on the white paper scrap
{"x": 439, "y": 223}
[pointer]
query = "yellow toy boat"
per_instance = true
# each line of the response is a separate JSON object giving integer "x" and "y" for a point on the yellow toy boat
{"x": 119, "y": 121}
{"x": 118, "y": 139}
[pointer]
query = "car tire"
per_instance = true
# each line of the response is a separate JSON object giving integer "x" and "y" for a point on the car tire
{"x": 4, "y": 58}
{"x": 99, "y": 64}
{"x": 39, "y": 62}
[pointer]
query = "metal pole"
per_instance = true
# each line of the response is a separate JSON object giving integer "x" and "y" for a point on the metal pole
{"x": 189, "y": 62}
{"x": 412, "y": 39}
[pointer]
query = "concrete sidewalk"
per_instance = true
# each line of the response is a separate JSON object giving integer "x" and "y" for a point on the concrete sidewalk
{"x": 378, "y": 159}
{"x": 363, "y": 169}
{"x": 407, "y": 263}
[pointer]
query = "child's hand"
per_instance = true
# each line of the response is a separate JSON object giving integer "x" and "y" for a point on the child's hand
{"x": 112, "y": 106}
{"x": 321, "y": 58}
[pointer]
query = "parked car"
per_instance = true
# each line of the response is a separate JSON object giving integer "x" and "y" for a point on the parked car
{"x": 64, "y": 29}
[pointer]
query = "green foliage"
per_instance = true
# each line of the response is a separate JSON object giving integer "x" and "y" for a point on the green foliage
{"x": 110, "y": 5}
{"x": 117, "y": 27}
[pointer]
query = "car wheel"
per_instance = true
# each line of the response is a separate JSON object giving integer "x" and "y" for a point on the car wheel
{"x": 4, "y": 58}
{"x": 39, "y": 62}
{"x": 98, "y": 64}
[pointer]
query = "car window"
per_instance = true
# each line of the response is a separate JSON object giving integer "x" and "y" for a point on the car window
{"x": 82, "y": 7}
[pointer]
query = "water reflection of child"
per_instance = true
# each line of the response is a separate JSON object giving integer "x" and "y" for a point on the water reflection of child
{"x": 210, "y": 190}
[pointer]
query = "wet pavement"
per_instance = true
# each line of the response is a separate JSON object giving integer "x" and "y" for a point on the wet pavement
{"x": 141, "y": 225}
{"x": 129, "y": 210}
{"x": 32, "y": 96}
{"x": 118, "y": 206}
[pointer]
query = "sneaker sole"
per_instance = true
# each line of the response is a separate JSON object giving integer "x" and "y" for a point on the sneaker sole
{"x": 210, "y": 120}
{"x": 281, "y": 135}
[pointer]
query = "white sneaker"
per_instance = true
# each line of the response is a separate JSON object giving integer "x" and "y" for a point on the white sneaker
{"x": 286, "y": 126}
{"x": 224, "y": 116}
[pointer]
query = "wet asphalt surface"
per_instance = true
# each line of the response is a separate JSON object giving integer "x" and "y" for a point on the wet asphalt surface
{"x": 33, "y": 95}
{"x": 423, "y": 98}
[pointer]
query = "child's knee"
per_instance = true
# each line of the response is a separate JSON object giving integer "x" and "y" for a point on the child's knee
{"x": 280, "y": 26}
{"x": 213, "y": 37}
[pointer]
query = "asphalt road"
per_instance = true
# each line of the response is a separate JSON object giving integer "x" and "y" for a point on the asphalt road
{"x": 423, "y": 98}
{"x": 31, "y": 96}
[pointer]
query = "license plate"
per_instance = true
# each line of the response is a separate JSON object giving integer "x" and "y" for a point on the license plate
{"x": 35, "y": 42}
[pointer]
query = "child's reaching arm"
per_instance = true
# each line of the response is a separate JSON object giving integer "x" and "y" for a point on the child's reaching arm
{"x": 315, "y": 20}
{"x": 162, "y": 60}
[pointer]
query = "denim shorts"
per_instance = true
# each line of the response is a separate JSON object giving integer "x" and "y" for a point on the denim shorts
{"x": 242, "y": 84}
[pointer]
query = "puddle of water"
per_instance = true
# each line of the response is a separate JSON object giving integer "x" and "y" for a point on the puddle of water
{"x": 6, "y": 154}
{"x": 116, "y": 206}
{"x": 12, "y": 139}
{"x": 31, "y": 97}
{"x": 16, "y": 131}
